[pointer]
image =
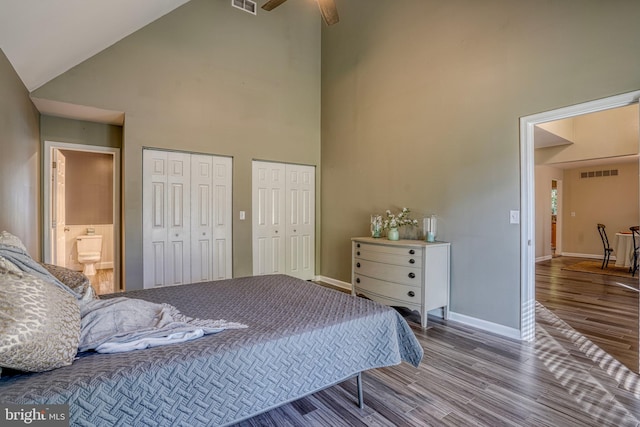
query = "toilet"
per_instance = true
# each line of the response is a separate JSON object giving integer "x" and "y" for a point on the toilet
{"x": 89, "y": 248}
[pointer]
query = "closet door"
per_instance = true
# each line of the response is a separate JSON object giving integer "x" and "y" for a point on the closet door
{"x": 300, "y": 221}
{"x": 268, "y": 218}
{"x": 222, "y": 218}
{"x": 211, "y": 226}
{"x": 201, "y": 218}
{"x": 283, "y": 219}
{"x": 187, "y": 217}
{"x": 166, "y": 218}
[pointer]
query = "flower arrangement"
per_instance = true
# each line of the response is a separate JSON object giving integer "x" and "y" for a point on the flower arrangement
{"x": 399, "y": 220}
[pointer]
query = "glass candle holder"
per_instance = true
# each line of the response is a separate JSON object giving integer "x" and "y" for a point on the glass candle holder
{"x": 430, "y": 228}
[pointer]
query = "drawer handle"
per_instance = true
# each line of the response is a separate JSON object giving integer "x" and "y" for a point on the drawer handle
{"x": 358, "y": 265}
{"x": 411, "y": 294}
{"x": 358, "y": 280}
{"x": 358, "y": 245}
{"x": 412, "y": 261}
{"x": 412, "y": 252}
{"x": 412, "y": 275}
{"x": 358, "y": 253}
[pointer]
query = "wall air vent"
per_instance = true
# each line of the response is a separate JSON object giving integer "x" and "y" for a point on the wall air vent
{"x": 246, "y": 5}
{"x": 598, "y": 174}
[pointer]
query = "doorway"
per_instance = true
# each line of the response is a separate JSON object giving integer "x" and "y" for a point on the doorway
{"x": 82, "y": 199}
{"x": 527, "y": 202}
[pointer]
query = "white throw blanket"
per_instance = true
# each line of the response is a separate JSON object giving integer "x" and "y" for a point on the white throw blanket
{"x": 123, "y": 324}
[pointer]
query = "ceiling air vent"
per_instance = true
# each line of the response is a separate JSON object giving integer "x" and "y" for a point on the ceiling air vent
{"x": 598, "y": 174}
{"x": 246, "y": 5}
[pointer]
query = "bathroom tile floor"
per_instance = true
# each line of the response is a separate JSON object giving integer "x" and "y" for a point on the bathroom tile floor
{"x": 102, "y": 281}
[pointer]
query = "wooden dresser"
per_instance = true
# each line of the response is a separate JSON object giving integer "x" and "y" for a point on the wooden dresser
{"x": 402, "y": 273}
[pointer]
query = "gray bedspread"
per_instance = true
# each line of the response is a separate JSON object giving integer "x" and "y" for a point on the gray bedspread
{"x": 301, "y": 338}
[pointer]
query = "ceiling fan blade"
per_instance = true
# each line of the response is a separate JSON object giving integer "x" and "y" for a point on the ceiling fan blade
{"x": 329, "y": 11}
{"x": 272, "y": 4}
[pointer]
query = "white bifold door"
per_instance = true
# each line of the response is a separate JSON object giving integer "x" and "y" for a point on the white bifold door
{"x": 187, "y": 215}
{"x": 283, "y": 219}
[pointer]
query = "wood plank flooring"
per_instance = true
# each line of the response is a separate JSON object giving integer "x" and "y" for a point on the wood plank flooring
{"x": 603, "y": 308}
{"x": 471, "y": 377}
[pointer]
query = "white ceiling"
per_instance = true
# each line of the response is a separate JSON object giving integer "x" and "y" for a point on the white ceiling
{"x": 44, "y": 38}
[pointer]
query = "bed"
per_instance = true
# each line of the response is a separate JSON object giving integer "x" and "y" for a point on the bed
{"x": 301, "y": 338}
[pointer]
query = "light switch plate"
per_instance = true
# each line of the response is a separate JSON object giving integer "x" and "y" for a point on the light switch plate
{"x": 514, "y": 217}
{"x": 242, "y": 215}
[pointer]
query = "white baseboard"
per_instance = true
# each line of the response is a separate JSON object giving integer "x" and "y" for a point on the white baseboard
{"x": 575, "y": 255}
{"x": 486, "y": 326}
{"x": 334, "y": 282}
{"x": 590, "y": 256}
{"x": 104, "y": 265}
{"x": 457, "y": 317}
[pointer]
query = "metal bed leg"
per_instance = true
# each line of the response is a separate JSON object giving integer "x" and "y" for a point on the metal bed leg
{"x": 360, "y": 395}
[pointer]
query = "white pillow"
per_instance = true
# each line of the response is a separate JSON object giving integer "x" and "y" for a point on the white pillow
{"x": 39, "y": 324}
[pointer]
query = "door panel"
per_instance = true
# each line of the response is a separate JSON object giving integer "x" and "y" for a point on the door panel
{"x": 59, "y": 209}
{"x": 222, "y": 184}
{"x": 155, "y": 214}
{"x": 165, "y": 216}
{"x": 268, "y": 210}
{"x": 201, "y": 233}
{"x": 301, "y": 222}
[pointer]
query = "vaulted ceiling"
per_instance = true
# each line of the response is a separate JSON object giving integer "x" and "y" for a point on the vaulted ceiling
{"x": 44, "y": 38}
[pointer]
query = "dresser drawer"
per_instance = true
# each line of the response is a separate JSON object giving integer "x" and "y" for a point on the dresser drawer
{"x": 388, "y": 258}
{"x": 391, "y": 273}
{"x": 391, "y": 250}
{"x": 409, "y": 294}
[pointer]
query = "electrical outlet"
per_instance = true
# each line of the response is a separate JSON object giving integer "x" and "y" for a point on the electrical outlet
{"x": 514, "y": 217}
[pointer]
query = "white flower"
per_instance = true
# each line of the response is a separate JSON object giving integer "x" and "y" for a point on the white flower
{"x": 399, "y": 220}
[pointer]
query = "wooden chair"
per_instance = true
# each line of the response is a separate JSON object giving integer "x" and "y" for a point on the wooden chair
{"x": 636, "y": 243}
{"x": 605, "y": 244}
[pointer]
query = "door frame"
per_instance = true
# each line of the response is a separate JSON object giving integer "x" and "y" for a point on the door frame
{"x": 47, "y": 216}
{"x": 527, "y": 195}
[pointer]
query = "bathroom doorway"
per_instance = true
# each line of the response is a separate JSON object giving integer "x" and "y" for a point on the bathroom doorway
{"x": 82, "y": 198}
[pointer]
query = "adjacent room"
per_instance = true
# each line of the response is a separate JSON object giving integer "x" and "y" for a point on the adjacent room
{"x": 229, "y": 156}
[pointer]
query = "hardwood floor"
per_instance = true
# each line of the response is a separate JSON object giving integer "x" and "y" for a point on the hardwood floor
{"x": 603, "y": 308}
{"x": 471, "y": 377}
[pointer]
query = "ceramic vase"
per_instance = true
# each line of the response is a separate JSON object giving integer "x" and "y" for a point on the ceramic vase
{"x": 393, "y": 234}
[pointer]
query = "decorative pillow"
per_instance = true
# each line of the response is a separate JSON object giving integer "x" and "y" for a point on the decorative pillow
{"x": 7, "y": 238}
{"x": 75, "y": 280}
{"x": 7, "y": 266}
{"x": 39, "y": 324}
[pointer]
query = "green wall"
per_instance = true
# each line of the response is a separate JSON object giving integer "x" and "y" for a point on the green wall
{"x": 19, "y": 160}
{"x": 60, "y": 129}
{"x": 212, "y": 79}
{"x": 421, "y": 101}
